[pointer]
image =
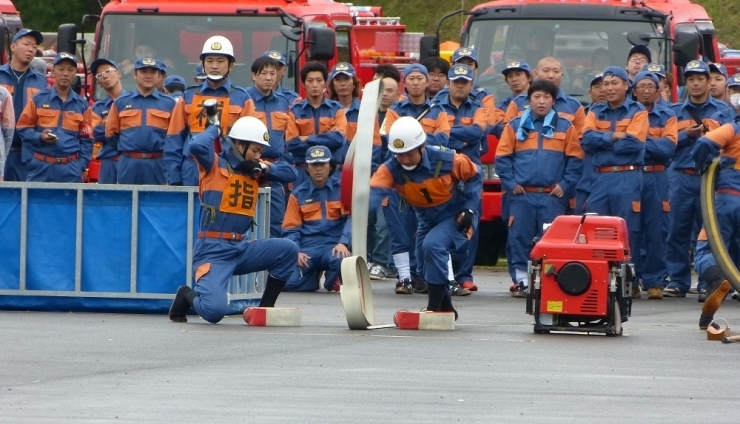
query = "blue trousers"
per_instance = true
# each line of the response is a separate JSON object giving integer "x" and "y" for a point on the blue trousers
{"x": 684, "y": 224}
{"x": 581, "y": 197}
{"x": 277, "y": 209}
{"x": 46, "y": 172}
{"x": 141, "y": 171}
{"x": 434, "y": 244}
{"x": 402, "y": 225}
{"x": 321, "y": 260}
{"x": 651, "y": 260}
{"x": 464, "y": 261}
{"x": 619, "y": 194}
{"x": 378, "y": 238}
{"x": 277, "y": 256}
{"x": 529, "y": 212}
{"x": 505, "y": 212}
{"x": 15, "y": 168}
{"x": 108, "y": 171}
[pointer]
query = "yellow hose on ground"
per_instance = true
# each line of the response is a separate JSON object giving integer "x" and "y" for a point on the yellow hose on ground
{"x": 711, "y": 226}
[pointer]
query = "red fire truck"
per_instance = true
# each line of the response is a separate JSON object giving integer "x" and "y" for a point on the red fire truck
{"x": 10, "y": 23}
{"x": 676, "y": 31}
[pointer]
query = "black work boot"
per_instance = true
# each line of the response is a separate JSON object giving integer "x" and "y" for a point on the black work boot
{"x": 182, "y": 304}
{"x": 447, "y": 304}
{"x": 436, "y": 294}
{"x": 273, "y": 287}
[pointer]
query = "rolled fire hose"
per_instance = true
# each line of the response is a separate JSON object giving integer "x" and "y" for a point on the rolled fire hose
{"x": 711, "y": 226}
{"x": 356, "y": 291}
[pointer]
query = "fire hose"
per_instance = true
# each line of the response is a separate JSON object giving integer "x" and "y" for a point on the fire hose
{"x": 711, "y": 226}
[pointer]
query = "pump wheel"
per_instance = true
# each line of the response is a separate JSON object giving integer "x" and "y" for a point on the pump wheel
{"x": 616, "y": 321}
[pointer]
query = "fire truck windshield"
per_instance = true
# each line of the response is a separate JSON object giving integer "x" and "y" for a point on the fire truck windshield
{"x": 178, "y": 39}
{"x": 584, "y": 47}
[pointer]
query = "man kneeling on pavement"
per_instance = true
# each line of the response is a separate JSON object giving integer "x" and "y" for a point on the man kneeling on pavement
{"x": 317, "y": 223}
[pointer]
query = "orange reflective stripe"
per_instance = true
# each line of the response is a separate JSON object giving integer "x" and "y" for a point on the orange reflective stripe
{"x": 129, "y": 118}
{"x": 311, "y": 212}
{"x": 158, "y": 119}
{"x": 72, "y": 120}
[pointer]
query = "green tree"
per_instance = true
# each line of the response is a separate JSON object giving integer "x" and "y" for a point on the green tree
{"x": 47, "y": 15}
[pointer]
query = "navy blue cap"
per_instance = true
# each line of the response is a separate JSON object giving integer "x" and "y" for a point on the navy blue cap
{"x": 655, "y": 68}
{"x": 696, "y": 67}
{"x": 32, "y": 32}
{"x": 318, "y": 154}
{"x": 148, "y": 62}
{"x": 460, "y": 71}
{"x": 200, "y": 73}
{"x": 734, "y": 81}
{"x": 274, "y": 54}
{"x": 599, "y": 76}
{"x": 642, "y": 50}
{"x": 616, "y": 71}
{"x": 646, "y": 75}
{"x": 162, "y": 65}
{"x": 517, "y": 65}
{"x": 464, "y": 52}
{"x": 100, "y": 61}
{"x": 342, "y": 68}
{"x": 415, "y": 67}
{"x": 718, "y": 67}
{"x": 174, "y": 79}
{"x": 64, "y": 56}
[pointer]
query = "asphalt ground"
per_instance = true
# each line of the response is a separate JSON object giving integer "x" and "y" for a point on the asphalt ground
{"x": 84, "y": 368}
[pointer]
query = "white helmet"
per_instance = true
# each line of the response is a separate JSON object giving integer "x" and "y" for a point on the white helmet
{"x": 250, "y": 129}
{"x": 406, "y": 134}
{"x": 218, "y": 44}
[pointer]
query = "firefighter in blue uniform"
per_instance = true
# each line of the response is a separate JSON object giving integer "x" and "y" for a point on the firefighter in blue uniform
{"x": 467, "y": 118}
{"x": 659, "y": 71}
{"x": 538, "y": 159}
{"x": 55, "y": 127}
{"x": 694, "y": 119}
{"x": 730, "y": 114}
{"x": 289, "y": 94}
{"x": 399, "y": 216}
{"x": 317, "y": 224}
{"x": 22, "y": 82}
{"x": 444, "y": 189}
{"x": 315, "y": 121}
{"x": 615, "y": 133}
{"x": 189, "y": 116}
{"x": 229, "y": 187}
{"x": 108, "y": 76}
{"x": 271, "y": 108}
{"x": 660, "y": 145}
{"x": 137, "y": 124}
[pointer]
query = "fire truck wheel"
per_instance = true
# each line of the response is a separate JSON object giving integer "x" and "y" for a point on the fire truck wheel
{"x": 616, "y": 321}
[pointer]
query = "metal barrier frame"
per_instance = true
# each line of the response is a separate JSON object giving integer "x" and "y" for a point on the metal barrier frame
{"x": 242, "y": 287}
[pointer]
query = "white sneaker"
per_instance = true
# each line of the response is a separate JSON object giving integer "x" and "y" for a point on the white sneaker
{"x": 378, "y": 272}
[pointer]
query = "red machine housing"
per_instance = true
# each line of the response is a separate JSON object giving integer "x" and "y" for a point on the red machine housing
{"x": 580, "y": 276}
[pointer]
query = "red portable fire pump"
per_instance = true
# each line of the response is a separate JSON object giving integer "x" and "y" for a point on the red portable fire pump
{"x": 580, "y": 276}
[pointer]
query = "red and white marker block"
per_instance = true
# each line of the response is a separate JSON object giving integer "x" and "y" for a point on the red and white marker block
{"x": 408, "y": 320}
{"x": 272, "y": 317}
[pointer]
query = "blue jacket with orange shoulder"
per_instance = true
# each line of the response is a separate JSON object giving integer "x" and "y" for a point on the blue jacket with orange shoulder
{"x": 47, "y": 111}
{"x": 430, "y": 115}
{"x": 545, "y": 154}
{"x": 467, "y": 125}
{"x": 189, "y": 120}
{"x": 687, "y": 113}
{"x": 444, "y": 183}
{"x": 603, "y": 121}
{"x": 725, "y": 143}
{"x": 660, "y": 144}
{"x": 34, "y": 82}
{"x": 325, "y": 126}
{"x": 566, "y": 106}
{"x": 314, "y": 216}
{"x": 272, "y": 110}
{"x": 138, "y": 123}
{"x": 98, "y": 114}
